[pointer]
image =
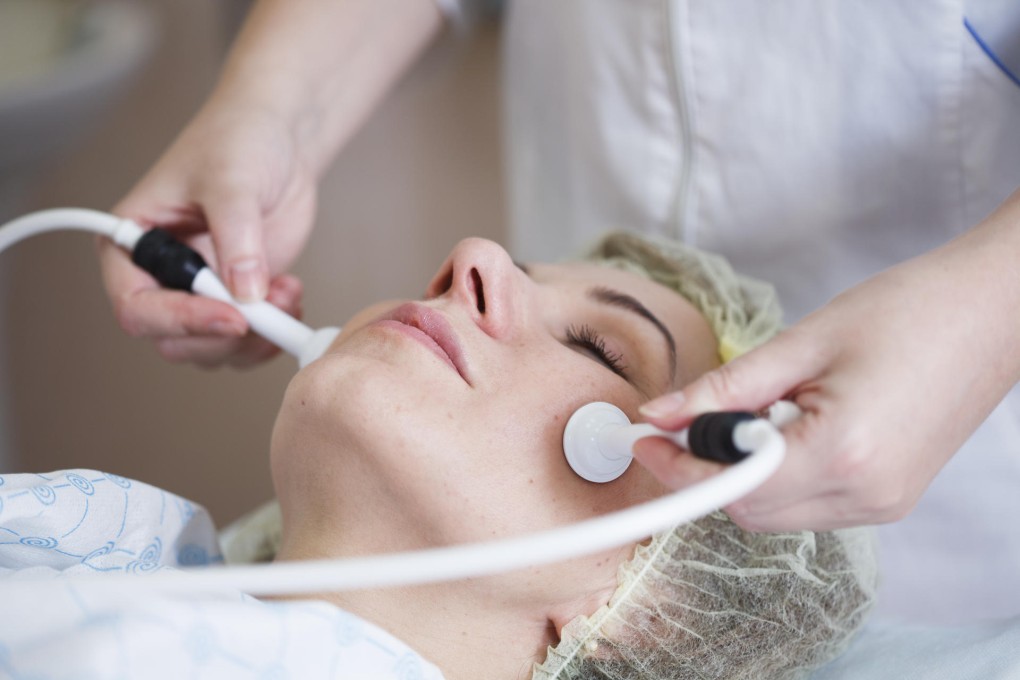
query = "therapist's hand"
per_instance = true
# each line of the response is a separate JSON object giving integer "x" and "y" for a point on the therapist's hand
{"x": 235, "y": 188}
{"x": 241, "y": 179}
{"x": 892, "y": 377}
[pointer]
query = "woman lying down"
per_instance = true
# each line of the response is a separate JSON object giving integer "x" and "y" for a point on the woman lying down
{"x": 398, "y": 439}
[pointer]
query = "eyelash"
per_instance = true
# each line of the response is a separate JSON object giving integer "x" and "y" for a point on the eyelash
{"x": 587, "y": 338}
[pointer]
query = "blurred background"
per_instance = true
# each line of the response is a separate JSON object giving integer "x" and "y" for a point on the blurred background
{"x": 91, "y": 92}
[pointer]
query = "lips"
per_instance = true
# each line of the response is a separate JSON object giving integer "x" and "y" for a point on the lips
{"x": 437, "y": 331}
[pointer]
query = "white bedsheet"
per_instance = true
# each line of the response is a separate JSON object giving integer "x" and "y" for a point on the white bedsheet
{"x": 888, "y": 651}
{"x": 83, "y": 521}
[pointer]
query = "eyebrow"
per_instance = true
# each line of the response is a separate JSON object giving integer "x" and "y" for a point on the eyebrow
{"x": 615, "y": 298}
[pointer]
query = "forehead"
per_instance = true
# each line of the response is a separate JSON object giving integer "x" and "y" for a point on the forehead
{"x": 697, "y": 347}
{"x": 587, "y": 274}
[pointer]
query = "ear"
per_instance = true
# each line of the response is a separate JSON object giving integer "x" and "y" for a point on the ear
{"x": 586, "y": 606}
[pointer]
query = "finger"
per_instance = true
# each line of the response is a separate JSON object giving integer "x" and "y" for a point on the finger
{"x": 800, "y": 477}
{"x": 120, "y": 275}
{"x": 144, "y": 310}
{"x": 252, "y": 352}
{"x": 160, "y": 198}
{"x": 748, "y": 383}
{"x": 824, "y": 512}
{"x": 161, "y": 313}
{"x": 215, "y": 352}
{"x": 671, "y": 465}
{"x": 829, "y": 456}
{"x": 285, "y": 292}
{"x": 206, "y": 352}
{"x": 236, "y": 225}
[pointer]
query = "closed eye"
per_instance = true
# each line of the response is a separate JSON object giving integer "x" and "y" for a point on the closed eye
{"x": 587, "y": 339}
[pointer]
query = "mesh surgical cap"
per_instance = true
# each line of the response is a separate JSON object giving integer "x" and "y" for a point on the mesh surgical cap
{"x": 742, "y": 312}
{"x": 708, "y": 599}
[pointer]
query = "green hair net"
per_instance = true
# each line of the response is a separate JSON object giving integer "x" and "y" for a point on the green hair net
{"x": 742, "y": 312}
{"x": 708, "y": 599}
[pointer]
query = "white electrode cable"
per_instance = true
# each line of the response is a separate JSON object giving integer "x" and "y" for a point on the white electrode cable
{"x": 475, "y": 559}
{"x": 123, "y": 232}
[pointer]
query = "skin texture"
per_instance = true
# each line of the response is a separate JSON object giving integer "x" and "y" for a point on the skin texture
{"x": 384, "y": 445}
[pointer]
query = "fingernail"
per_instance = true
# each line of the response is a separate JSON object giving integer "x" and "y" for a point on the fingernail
{"x": 248, "y": 282}
{"x": 221, "y": 327}
{"x": 665, "y": 405}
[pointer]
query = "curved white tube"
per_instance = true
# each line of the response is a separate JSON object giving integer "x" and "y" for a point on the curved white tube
{"x": 123, "y": 232}
{"x": 477, "y": 559}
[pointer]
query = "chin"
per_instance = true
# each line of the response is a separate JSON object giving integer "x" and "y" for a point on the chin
{"x": 353, "y": 404}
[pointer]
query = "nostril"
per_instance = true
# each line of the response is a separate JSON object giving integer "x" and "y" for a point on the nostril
{"x": 440, "y": 285}
{"x": 476, "y": 279}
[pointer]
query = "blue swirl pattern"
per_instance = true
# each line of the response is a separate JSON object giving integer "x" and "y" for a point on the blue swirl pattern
{"x": 139, "y": 567}
{"x": 47, "y": 542}
{"x": 152, "y": 552}
{"x": 130, "y": 527}
{"x": 192, "y": 555}
{"x": 45, "y": 494}
{"x": 103, "y": 522}
{"x": 80, "y": 483}
{"x": 118, "y": 480}
{"x": 101, "y": 551}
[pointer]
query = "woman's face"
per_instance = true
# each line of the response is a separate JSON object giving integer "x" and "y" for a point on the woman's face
{"x": 441, "y": 421}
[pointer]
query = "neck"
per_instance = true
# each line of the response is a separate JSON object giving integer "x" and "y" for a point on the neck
{"x": 465, "y": 627}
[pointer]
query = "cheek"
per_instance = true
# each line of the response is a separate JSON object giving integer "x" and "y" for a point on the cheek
{"x": 534, "y": 401}
{"x": 525, "y": 444}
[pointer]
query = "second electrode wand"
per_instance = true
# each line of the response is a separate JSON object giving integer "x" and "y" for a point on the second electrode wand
{"x": 177, "y": 266}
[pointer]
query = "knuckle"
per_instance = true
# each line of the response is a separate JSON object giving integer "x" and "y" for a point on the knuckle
{"x": 232, "y": 183}
{"x": 127, "y": 317}
{"x": 171, "y": 352}
{"x": 890, "y": 503}
{"x": 177, "y": 352}
{"x": 208, "y": 364}
{"x": 805, "y": 346}
{"x": 856, "y": 457}
{"x": 724, "y": 382}
{"x": 246, "y": 361}
{"x": 742, "y": 516}
{"x": 880, "y": 495}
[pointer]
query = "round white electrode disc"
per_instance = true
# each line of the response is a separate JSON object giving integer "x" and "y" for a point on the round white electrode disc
{"x": 581, "y": 442}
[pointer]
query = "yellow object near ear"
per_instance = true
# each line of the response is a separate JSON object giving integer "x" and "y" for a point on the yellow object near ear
{"x": 728, "y": 351}
{"x": 742, "y": 312}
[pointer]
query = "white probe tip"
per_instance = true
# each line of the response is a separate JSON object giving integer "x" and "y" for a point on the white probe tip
{"x": 317, "y": 345}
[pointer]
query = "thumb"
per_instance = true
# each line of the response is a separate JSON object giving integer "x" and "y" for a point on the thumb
{"x": 236, "y": 227}
{"x": 748, "y": 383}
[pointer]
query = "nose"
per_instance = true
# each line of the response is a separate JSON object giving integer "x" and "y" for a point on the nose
{"x": 480, "y": 276}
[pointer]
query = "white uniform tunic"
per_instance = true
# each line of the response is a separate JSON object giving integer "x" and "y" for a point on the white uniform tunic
{"x": 812, "y": 142}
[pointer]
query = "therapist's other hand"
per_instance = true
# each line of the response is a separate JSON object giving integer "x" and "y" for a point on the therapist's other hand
{"x": 892, "y": 377}
{"x": 233, "y": 186}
